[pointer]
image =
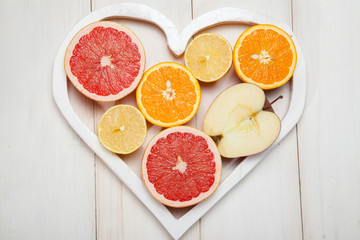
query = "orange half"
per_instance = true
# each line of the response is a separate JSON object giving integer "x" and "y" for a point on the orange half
{"x": 168, "y": 94}
{"x": 265, "y": 55}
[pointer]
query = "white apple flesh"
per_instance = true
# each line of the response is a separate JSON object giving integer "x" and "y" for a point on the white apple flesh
{"x": 238, "y": 124}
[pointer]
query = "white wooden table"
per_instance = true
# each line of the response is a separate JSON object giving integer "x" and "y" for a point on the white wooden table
{"x": 52, "y": 186}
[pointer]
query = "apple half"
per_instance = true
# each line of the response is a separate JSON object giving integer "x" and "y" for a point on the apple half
{"x": 238, "y": 123}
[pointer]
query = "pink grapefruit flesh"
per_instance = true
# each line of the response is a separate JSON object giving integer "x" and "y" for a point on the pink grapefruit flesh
{"x": 105, "y": 61}
{"x": 181, "y": 166}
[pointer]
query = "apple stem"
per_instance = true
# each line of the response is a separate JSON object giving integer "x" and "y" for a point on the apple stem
{"x": 269, "y": 104}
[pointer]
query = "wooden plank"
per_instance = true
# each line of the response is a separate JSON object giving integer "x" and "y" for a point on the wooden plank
{"x": 46, "y": 172}
{"x": 329, "y": 128}
{"x": 119, "y": 213}
{"x": 267, "y": 199}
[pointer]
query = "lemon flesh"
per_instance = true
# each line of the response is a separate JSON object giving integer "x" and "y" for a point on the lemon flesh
{"x": 122, "y": 129}
{"x": 209, "y": 57}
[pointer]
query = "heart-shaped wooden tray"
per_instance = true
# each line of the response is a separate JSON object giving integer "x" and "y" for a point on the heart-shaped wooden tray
{"x": 233, "y": 21}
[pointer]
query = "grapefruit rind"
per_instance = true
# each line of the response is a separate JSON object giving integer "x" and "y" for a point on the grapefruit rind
{"x": 180, "y": 121}
{"x": 217, "y": 158}
{"x": 143, "y": 122}
{"x": 236, "y": 55}
{"x": 86, "y": 30}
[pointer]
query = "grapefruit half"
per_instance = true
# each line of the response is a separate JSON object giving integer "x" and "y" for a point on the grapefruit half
{"x": 181, "y": 166}
{"x": 105, "y": 61}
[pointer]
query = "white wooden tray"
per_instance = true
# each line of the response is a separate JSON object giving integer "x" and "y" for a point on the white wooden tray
{"x": 177, "y": 222}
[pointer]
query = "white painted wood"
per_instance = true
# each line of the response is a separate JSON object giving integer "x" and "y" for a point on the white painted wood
{"x": 176, "y": 227}
{"x": 267, "y": 199}
{"x": 120, "y": 214}
{"x": 47, "y": 185}
{"x": 329, "y": 130}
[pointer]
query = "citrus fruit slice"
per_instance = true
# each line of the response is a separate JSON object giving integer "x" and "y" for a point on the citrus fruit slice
{"x": 181, "y": 166}
{"x": 122, "y": 129}
{"x": 209, "y": 57}
{"x": 265, "y": 55}
{"x": 105, "y": 61}
{"x": 168, "y": 94}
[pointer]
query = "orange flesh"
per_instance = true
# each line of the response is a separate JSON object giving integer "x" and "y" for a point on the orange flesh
{"x": 278, "y": 56}
{"x": 164, "y": 103}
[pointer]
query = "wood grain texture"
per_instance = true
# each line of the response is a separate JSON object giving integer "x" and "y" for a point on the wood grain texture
{"x": 120, "y": 215}
{"x": 47, "y": 174}
{"x": 47, "y": 185}
{"x": 131, "y": 207}
{"x": 268, "y": 198}
{"x": 329, "y": 130}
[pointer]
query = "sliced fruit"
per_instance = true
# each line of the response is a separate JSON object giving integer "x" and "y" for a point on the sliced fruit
{"x": 209, "y": 57}
{"x": 168, "y": 95}
{"x": 237, "y": 122}
{"x": 265, "y": 55}
{"x": 181, "y": 166}
{"x": 105, "y": 61}
{"x": 122, "y": 129}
